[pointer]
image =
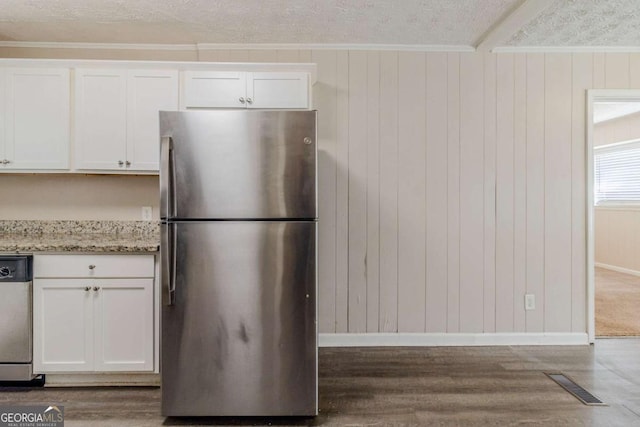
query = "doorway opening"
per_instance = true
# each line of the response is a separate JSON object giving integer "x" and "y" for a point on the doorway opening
{"x": 613, "y": 213}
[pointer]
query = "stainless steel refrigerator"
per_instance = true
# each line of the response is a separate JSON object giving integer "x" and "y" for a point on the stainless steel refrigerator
{"x": 238, "y": 250}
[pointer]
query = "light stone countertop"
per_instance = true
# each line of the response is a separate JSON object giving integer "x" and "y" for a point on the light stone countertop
{"x": 79, "y": 236}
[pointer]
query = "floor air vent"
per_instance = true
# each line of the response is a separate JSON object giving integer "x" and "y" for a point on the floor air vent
{"x": 580, "y": 393}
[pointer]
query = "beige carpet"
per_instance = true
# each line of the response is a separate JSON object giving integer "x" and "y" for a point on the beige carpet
{"x": 617, "y": 304}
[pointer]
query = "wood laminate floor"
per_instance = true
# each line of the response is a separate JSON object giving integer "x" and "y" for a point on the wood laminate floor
{"x": 445, "y": 386}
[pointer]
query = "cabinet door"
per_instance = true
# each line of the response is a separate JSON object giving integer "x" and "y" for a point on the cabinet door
{"x": 214, "y": 89}
{"x": 2, "y": 118}
{"x": 37, "y": 118}
{"x": 148, "y": 92}
{"x": 123, "y": 315}
{"x": 101, "y": 119}
{"x": 278, "y": 90}
{"x": 62, "y": 325}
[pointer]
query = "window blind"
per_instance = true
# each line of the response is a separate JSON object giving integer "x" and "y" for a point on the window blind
{"x": 617, "y": 173}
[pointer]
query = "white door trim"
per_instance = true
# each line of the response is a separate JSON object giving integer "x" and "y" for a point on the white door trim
{"x": 597, "y": 95}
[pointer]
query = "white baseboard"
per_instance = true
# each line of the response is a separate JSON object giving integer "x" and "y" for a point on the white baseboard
{"x": 618, "y": 269}
{"x": 453, "y": 339}
{"x": 112, "y": 379}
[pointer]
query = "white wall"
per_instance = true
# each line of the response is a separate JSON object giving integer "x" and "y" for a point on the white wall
{"x": 99, "y": 197}
{"x": 451, "y": 184}
{"x": 617, "y": 229}
{"x": 617, "y": 237}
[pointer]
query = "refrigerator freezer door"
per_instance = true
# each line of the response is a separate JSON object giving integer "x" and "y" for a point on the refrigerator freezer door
{"x": 240, "y": 339}
{"x": 241, "y": 164}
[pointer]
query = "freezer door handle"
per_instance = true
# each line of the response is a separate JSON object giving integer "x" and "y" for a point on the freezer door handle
{"x": 168, "y": 260}
{"x": 167, "y": 177}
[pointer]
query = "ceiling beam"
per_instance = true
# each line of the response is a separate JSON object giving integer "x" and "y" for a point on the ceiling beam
{"x": 512, "y": 23}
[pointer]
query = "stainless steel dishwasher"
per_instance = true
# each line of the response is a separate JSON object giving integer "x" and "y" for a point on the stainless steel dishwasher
{"x": 15, "y": 318}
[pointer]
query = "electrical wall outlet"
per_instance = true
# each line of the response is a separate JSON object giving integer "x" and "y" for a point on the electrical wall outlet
{"x": 147, "y": 213}
{"x": 529, "y": 302}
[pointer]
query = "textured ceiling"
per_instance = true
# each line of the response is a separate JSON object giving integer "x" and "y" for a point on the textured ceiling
{"x": 583, "y": 23}
{"x": 553, "y": 23}
{"x": 412, "y": 22}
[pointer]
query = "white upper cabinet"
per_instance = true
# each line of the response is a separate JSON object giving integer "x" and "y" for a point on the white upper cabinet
{"x": 278, "y": 90}
{"x": 117, "y": 117}
{"x": 148, "y": 92}
{"x": 226, "y": 89}
{"x": 36, "y": 119}
{"x": 102, "y": 116}
{"x": 101, "y": 119}
{"x": 215, "y": 89}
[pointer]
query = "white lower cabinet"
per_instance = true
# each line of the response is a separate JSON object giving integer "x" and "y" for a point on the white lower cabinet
{"x": 92, "y": 324}
{"x": 63, "y": 326}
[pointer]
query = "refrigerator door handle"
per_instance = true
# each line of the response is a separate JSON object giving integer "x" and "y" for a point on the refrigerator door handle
{"x": 168, "y": 260}
{"x": 167, "y": 175}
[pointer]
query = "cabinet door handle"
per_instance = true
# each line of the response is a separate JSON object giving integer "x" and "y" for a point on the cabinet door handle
{"x": 6, "y": 162}
{"x": 120, "y": 163}
{"x": 92, "y": 267}
{"x": 241, "y": 99}
{"x": 128, "y": 163}
{"x": 249, "y": 101}
{"x": 87, "y": 288}
{"x": 96, "y": 288}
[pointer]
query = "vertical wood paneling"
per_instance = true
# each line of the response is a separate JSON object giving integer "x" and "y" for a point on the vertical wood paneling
{"x": 342, "y": 192}
{"x": 411, "y": 192}
{"x": 325, "y": 100}
{"x": 436, "y": 193}
{"x": 582, "y": 78}
{"x": 287, "y": 55}
{"x": 557, "y": 190}
{"x": 535, "y": 189}
{"x": 520, "y": 192}
{"x": 505, "y": 194}
{"x": 389, "y": 192}
{"x": 490, "y": 122}
{"x": 357, "y": 191}
{"x": 373, "y": 191}
{"x": 471, "y": 191}
{"x": 599, "y": 71}
{"x": 617, "y": 70}
{"x": 634, "y": 70}
{"x": 453, "y": 192}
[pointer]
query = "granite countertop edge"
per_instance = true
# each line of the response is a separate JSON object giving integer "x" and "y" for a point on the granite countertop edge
{"x": 78, "y": 237}
{"x": 86, "y": 243}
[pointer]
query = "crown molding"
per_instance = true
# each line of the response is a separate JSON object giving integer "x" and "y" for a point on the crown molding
{"x": 566, "y": 49}
{"x": 235, "y": 46}
{"x": 336, "y": 46}
{"x": 112, "y": 46}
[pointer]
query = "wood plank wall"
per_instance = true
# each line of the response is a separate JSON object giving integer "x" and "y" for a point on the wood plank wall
{"x": 451, "y": 184}
{"x": 456, "y": 186}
